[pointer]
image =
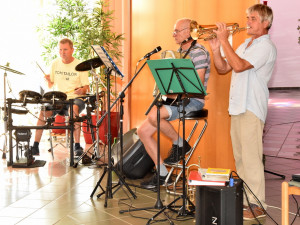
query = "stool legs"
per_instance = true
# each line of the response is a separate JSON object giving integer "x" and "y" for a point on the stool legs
{"x": 286, "y": 191}
{"x": 284, "y": 203}
{"x": 179, "y": 166}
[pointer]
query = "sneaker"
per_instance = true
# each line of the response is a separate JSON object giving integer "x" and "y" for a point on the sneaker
{"x": 258, "y": 212}
{"x": 78, "y": 151}
{"x": 34, "y": 151}
{"x": 152, "y": 182}
{"x": 175, "y": 153}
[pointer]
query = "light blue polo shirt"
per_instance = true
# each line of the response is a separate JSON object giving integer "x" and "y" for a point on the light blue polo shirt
{"x": 249, "y": 89}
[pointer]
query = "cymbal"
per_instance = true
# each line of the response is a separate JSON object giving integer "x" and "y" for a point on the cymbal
{"x": 11, "y": 70}
{"x": 89, "y": 64}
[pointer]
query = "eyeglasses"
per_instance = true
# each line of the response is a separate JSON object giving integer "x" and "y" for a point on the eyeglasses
{"x": 178, "y": 31}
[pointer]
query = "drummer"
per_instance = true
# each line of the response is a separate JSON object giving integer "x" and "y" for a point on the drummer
{"x": 64, "y": 78}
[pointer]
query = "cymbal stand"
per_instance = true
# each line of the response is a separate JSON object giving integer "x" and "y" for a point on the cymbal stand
{"x": 96, "y": 77}
{"x": 90, "y": 126}
{"x": 4, "y": 147}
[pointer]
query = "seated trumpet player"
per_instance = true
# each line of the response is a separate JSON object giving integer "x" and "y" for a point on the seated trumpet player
{"x": 63, "y": 77}
{"x": 201, "y": 60}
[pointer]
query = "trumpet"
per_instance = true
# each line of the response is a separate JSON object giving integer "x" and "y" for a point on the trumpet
{"x": 205, "y": 32}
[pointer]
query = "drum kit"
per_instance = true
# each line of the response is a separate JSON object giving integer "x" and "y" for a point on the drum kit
{"x": 52, "y": 100}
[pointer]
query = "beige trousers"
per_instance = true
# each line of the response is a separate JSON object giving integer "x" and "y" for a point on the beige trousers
{"x": 246, "y": 136}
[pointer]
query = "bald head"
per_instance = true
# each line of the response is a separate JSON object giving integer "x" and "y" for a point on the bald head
{"x": 182, "y": 30}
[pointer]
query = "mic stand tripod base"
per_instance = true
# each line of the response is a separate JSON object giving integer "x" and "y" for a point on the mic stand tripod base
{"x": 108, "y": 193}
{"x": 158, "y": 204}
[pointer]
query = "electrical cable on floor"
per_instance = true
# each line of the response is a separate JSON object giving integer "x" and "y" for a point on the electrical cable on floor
{"x": 255, "y": 197}
{"x": 297, "y": 212}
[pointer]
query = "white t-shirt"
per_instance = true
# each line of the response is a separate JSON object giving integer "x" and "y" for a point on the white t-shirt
{"x": 66, "y": 78}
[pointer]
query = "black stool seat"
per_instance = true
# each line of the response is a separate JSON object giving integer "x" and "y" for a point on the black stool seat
{"x": 196, "y": 114}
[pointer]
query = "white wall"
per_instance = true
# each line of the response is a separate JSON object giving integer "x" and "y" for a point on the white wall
{"x": 285, "y": 35}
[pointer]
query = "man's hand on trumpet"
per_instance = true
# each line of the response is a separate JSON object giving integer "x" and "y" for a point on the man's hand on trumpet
{"x": 222, "y": 32}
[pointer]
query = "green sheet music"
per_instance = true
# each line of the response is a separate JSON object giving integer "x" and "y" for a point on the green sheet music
{"x": 176, "y": 76}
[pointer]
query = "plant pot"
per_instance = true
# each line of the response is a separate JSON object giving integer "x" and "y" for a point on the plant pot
{"x": 103, "y": 129}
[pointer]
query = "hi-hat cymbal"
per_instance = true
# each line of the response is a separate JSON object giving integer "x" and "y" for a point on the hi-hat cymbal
{"x": 10, "y": 70}
{"x": 89, "y": 64}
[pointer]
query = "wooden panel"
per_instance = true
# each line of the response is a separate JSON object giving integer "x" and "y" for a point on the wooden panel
{"x": 151, "y": 26}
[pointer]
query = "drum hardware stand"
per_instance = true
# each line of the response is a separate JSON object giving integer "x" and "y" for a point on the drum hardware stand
{"x": 5, "y": 116}
{"x": 4, "y": 148}
{"x": 11, "y": 127}
{"x": 88, "y": 118}
{"x": 96, "y": 77}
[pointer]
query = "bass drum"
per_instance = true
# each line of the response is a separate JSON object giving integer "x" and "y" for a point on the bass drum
{"x": 136, "y": 161}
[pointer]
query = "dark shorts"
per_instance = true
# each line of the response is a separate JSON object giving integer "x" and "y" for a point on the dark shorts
{"x": 64, "y": 110}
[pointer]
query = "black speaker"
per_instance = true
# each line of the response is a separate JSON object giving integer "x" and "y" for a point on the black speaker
{"x": 221, "y": 205}
{"x": 136, "y": 161}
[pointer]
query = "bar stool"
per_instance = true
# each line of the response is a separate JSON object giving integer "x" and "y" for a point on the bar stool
{"x": 287, "y": 190}
{"x": 197, "y": 116}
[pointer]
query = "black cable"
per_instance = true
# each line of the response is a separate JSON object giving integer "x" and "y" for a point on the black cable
{"x": 297, "y": 213}
{"x": 255, "y": 197}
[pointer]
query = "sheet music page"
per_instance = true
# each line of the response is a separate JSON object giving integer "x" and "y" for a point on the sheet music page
{"x": 107, "y": 60}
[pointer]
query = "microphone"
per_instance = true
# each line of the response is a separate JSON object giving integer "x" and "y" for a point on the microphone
{"x": 157, "y": 49}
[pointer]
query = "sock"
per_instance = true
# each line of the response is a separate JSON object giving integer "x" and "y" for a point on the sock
{"x": 77, "y": 145}
{"x": 36, "y": 144}
{"x": 179, "y": 142}
{"x": 163, "y": 170}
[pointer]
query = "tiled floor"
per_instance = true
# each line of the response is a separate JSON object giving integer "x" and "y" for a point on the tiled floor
{"x": 59, "y": 194}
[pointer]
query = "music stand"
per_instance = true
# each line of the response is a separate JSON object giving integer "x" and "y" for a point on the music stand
{"x": 177, "y": 76}
{"x": 110, "y": 67}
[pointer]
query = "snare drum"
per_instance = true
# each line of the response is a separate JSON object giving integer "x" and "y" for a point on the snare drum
{"x": 57, "y": 99}
{"x": 29, "y": 95}
{"x": 55, "y": 96}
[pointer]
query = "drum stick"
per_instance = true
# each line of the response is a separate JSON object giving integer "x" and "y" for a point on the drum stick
{"x": 40, "y": 68}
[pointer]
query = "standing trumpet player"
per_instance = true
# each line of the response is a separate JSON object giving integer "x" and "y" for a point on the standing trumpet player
{"x": 252, "y": 66}
{"x": 63, "y": 77}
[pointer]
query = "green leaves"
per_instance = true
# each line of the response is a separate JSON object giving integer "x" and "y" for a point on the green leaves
{"x": 75, "y": 19}
{"x": 85, "y": 26}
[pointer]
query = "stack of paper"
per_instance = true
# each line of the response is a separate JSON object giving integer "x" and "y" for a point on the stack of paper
{"x": 216, "y": 174}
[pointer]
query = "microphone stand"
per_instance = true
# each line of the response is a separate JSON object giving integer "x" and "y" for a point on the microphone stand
{"x": 110, "y": 168}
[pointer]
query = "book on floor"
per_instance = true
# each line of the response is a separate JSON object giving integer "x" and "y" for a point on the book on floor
{"x": 196, "y": 178}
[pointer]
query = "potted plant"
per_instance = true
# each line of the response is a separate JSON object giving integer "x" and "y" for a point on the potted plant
{"x": 85, "y": 25}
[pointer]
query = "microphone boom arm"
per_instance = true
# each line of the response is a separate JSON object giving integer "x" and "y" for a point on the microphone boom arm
{"x": 121, "y": 93}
